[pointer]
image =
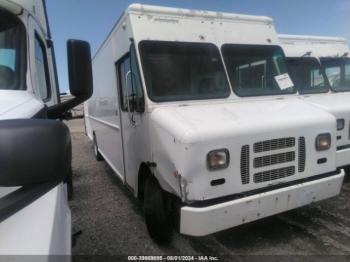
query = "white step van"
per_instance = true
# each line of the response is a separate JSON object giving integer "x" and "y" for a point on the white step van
{"x": 35, "y": 152}
{"x": 205, "y": 157}
{"x": 320, "y": 68}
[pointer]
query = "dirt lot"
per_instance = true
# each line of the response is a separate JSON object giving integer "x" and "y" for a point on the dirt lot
{"x": 108, "y": 221}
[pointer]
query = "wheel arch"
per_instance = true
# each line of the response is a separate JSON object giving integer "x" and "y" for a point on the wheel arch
{"x": 144, "y": 171}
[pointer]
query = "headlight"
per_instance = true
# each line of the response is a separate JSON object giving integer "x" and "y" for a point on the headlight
{"x": 340, "y": 124}
{"x": 218, "y": 159}
{"x": 323, "y": 142}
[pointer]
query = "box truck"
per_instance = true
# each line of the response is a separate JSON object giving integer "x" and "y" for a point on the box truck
{"x": 320, "y": 68}
{"x": 197, "y": 115}
{"x": 35, "y": 147}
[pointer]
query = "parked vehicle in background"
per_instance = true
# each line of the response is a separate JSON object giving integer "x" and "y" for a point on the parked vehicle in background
{"x": 207, "y": 143}
{"x": 35, "y": 152}
{"x": 320, "y": 68}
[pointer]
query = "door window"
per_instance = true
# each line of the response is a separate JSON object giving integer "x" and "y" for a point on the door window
{"x": 42, "y": 72}
{"x": 136, "y": 81}
{"x": 12, "y": 52}
{"x": 129, "y": 83}
{"x": 124, "y": 82}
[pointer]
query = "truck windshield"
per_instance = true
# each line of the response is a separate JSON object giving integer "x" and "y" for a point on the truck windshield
{"x": 12, "y": 52}
{"x": 338, "y": 73}
{"x": 307, "y": 75}
{"x": 183, "y": 71}
{"x": 257, "y": 70}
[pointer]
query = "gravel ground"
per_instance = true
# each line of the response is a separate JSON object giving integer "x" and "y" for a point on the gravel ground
{"x": 108, "y": 221}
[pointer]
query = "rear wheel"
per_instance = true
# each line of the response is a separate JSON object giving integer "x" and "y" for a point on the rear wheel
{"x": 157, "y": 220}
{"x": 97, "y": 154}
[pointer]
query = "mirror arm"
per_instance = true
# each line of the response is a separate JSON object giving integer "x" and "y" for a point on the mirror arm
{"x": 57, "y": 111}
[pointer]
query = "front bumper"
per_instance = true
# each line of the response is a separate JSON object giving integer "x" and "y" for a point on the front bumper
{"x": 201, "y": 221}
{"x": 343, "y": 157}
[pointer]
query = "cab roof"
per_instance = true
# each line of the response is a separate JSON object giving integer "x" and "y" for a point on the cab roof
{"x": 191, "y": 13}
{"x": 319, "y": 46}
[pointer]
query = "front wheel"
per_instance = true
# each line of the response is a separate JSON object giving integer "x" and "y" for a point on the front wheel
{"x": 157, "y": 221}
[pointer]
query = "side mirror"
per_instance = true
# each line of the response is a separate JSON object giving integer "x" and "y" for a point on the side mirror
{"x": 33, "y": 152}
{"x": 79, "y": 68}
{"x": 80, "y": 77}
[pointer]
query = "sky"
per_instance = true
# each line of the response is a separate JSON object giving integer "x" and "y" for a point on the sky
{"x": 92, "y": 20}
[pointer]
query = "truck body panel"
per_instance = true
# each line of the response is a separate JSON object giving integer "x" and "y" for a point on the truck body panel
{"x": 49, "y": 232}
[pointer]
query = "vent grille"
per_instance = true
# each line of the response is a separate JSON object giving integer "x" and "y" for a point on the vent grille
{"x": 274, "y": 159}
{"x": 293, "y": 159}
{"x": 274, "y": 174}
{"x": 274, "y": 144}
{"x": 245, "y": 165}
{"x": 302, "y": 154}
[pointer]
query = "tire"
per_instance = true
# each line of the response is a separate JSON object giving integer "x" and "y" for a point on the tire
{"x": 157, "y": 219}
{"x": 69, "y": 182}
{"x": 97, "y": 154}
{"x": 69, "y": 177}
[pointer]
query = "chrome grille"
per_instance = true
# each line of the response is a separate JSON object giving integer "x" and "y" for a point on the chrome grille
{"x": 274, "y": 144}
{"x": 245, "y": 165}
{"x": 274, "y": 159}
{"x": 302, "y": 155}
{"x": 274, "y": 174}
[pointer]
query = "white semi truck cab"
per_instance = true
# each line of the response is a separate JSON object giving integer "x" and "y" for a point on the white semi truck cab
{"x": 35, "y": 152}
{"x": 196, "y": 114}
{"x": 320, "y": 68}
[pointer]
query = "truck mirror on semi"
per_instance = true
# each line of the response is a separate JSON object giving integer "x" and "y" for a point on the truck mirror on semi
{"x": 80, "y": 77}
{"x": 35, "y": 152}
{"x": 220, "y": 138}
{"x": 320, "y": 68}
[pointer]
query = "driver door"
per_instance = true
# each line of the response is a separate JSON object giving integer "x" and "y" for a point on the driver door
{"x": 131, "y": 108}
